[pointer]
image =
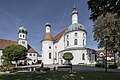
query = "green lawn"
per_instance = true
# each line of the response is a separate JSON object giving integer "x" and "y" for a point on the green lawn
{"x": 86, "y": 75}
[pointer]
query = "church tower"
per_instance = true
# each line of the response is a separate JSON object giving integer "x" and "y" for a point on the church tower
{"x": 22, "y": 34}
{"x": 47, "y": 46}
{"x": 74, "y": 16}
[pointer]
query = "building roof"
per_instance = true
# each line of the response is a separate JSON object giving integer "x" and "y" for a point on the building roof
{"x": 109, "y": 53}
{"x": 27, "y": 59}
{"x": 75, "y": 27}
{"x": 48, "y": 36}
{"x": 22, "y": 29}
{"x": 58, "y": 37}
{"x": 4, "y": 43}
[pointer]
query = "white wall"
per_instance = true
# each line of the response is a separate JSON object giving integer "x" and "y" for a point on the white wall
{"x": 46, "y": 51}
{"x": 59, "y": 46}
{"x": 77, "y": 54}
{"x": 0, "y": 57}
{"x": 72, "y": 37}
{"x": 33, "y": 56}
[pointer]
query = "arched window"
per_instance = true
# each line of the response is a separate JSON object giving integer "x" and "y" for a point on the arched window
{"x": 49, "y": 47}
{"x": 67, "y": 43}
{"x": 67, "y": 37}
{"x": 83, "y": 34}
{"x": 83, "y": 56}
{"x": 75, "y": 42}
{"x": 49, "y": 55}
{"x": 23, "y": 36}
{"x": 83, "y": 42}
{"x": 76, "y": 34}
{"x": 20, "y": 35}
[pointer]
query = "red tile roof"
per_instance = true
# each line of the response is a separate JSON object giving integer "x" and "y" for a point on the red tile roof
{"x": 4, "y": 43}
{"x": 48, "y": 36}
{"x": 104, "y": 52}
{"x": 58, "y": 37}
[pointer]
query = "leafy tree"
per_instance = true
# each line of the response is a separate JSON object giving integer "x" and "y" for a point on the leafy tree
{"x": 107, "y": 26}
{"x": 14, "y": 53}
{"x": 68, "y": 56}
{"x": 101, "y": 7}
{"x": 106, "y": 17}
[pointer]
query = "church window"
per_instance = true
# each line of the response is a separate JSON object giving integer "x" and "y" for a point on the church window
{"x": 83, "y": 56}
{"x": 23, "y": 36}
{"x": 49, "y": 55}
{"x": 49, "y": 47}
{"x": 75, "y": 42}
{"x": 20, "y": 35}
{"x": 30, "y": 54}
{"x": 83, "y": 35}
{"x": 67, "y": 43}
{"x": 83, "y": 42}
{"x": 67, "y": 36}
{"x": 33, "y": 54}
{"x": 76, "y": 34}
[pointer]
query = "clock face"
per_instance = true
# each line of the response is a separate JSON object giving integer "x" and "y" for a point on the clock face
{"x": 23, "y": 42}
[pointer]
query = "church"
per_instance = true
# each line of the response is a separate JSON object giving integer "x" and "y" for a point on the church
{"x": 22, "y": 40}
{"x": 72, "y": 39}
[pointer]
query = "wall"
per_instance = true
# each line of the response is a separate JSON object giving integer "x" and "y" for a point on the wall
{"x": 46, "y": 51}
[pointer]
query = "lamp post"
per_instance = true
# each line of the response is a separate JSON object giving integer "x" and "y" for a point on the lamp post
{"x": 106, "y": 38}
{"x": 114, "y": 51}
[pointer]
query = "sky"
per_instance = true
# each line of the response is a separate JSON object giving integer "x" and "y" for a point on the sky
{"x": 33, "y": 14}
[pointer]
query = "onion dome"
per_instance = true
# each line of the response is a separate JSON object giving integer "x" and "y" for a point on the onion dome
{"x": 75, "y": 27}
{"x": 48, "y": 36}
{"x": 22, "y": 29}
{"x": 48, "y": 24}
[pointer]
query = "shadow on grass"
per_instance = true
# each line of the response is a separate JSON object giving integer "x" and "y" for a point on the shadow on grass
{"x": 84, "y": 75}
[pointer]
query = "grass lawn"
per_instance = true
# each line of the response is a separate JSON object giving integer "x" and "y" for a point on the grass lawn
{"x": 86, "y": 75}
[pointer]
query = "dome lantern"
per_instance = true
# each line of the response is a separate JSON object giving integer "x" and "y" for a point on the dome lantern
{"x": 22, "y": 29}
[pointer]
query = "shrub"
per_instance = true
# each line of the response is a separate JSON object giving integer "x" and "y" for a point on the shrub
{"x": 3, "y": 69}
{"x": 114, "y": 66}
{"x": 99, "y": 65}
{"x": 42, "y": 69}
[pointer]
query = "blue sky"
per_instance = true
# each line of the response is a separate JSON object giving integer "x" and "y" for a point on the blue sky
{"x": 33, "y": 14}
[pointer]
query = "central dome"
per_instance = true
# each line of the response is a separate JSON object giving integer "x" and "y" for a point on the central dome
{"x": 75, "y": 27}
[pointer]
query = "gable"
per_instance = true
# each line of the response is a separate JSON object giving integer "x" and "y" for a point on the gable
{"x": 58, "y": 37}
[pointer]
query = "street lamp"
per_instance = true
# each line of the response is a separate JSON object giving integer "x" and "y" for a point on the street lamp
{"x": 106, "y": 38}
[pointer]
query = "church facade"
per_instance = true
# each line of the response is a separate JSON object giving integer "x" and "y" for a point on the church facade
{"x": 72, "y": 39}
{"x": 22, "y": 40}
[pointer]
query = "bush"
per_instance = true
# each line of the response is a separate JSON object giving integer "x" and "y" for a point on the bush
{"x": 99, "y": 65}
{"x": 114, "y": 66}
{"x": 42, "y": 69}
{"x": 3, "y": 69}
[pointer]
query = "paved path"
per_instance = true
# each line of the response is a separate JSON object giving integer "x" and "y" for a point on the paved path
{"x": 87, "y": 68}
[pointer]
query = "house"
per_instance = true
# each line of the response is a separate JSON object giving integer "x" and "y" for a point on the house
{"x": 101, "y": 54}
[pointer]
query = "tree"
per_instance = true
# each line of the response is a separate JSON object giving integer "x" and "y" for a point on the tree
{"x": 14, "y": 53}
{"x": 101, "y": 7}
{"x": 106, "y": 17}
{"x": 68, "y": 56}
